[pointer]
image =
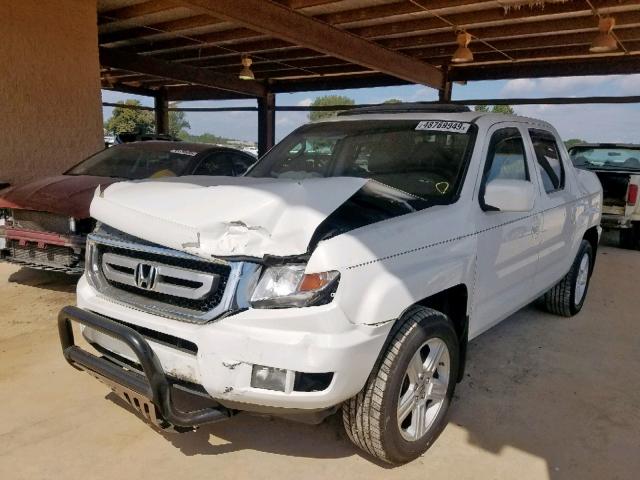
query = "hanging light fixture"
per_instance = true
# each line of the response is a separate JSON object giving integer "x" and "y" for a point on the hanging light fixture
{"x": 463, "y": 54}
{"x": 246, "y": 73}
{"x": 604, "y": 41}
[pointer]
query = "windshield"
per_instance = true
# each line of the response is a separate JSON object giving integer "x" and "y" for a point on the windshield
{"x": 138, "y": 161}
{"x": 606, "y": 157}
{"x": 425, "y": 159}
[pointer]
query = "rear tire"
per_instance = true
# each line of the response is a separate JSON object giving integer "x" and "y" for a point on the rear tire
{"x": 402, "y": 410}
{"x": 567, "y": 296}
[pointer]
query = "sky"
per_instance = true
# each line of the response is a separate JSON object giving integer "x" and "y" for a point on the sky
{"x": 593, "y": 123}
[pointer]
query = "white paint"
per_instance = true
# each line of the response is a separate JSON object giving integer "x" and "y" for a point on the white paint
{"x": 504, "y": 259}
{"x": 224, "y": 216}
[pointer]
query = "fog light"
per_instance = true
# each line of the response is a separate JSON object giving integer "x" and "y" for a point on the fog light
{"x": 268, "y": 378}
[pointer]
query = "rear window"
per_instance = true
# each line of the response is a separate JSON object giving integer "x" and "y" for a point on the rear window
{"x": 606, "y": 157}
{"x": 137, "y": 161}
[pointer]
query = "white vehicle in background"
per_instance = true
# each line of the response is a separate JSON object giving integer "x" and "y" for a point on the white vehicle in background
{"x": 618, "y": 168}
{"x": 349, "y": 268}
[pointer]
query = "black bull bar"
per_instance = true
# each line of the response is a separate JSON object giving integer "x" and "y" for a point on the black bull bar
{"x": 153, "y": 385}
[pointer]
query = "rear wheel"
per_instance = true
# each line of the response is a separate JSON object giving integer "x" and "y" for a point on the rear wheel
{"x": 402, "y": 408}
{"x": 567, "y": 296}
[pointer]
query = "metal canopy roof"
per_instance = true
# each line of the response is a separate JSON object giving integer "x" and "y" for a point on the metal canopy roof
{"x": 191, "y": 49}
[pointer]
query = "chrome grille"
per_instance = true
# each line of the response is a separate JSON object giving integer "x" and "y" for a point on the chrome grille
{"x": 163, "y": 281}
{"x": 158, "y": 277}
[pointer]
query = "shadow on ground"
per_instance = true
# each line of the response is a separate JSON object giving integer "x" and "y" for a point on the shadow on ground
{"x": 56, "y": 281}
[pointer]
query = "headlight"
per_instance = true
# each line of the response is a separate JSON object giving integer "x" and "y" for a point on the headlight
{"x": 288, "y": 286}
{"x": 72, "y": 225}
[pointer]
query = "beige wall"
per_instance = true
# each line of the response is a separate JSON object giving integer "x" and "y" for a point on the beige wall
{"x": 50, "y": 106}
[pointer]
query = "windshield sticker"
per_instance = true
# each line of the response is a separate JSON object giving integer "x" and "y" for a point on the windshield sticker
{"x": 443, "y": 126}
{"x": 184, "y": 152}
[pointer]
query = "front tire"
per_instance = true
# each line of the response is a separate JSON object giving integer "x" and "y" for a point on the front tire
{"x": 402, "y": 408}
{"x": 567, "y": 296}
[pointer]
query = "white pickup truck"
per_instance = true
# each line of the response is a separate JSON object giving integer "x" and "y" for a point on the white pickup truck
{"x": 349, "y": 268}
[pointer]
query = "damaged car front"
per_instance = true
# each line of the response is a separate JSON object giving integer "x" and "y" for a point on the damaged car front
{"x": 266, "y": 293}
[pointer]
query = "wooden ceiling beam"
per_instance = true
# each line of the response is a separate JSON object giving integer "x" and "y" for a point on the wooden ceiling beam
{"x": 171, "y": 26}
{"x": 134, "y": 11}
{"x": 368, "y": 80}
{"x": 513, "y": 31}
{"x": 196, "y": 92}
{"x": 476, "y": 19}
{"x": 194, "y": 41}
{"x": 620, "y": 65}
{"x": 281, "y": 22}
{"x": 117, "y": 58}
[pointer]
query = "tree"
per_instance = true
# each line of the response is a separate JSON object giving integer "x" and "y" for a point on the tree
{"x": 129, "y": 119}
{"x": 392, "y": 100}
{"x": 495, "y": 109}
{"x": 328, "y": 100}
{"x": 178, "y": 123}
{"x": 508, "y": 109}
{"x": 572, "y": 142}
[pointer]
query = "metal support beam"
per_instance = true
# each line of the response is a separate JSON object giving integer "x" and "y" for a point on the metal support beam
{"x": 161, "y": 109}
{"x": 266, "y": 123}
{"x": 116, "y": 58}
{"x": 281, "y": 22}
{"x": 444, "y": 94}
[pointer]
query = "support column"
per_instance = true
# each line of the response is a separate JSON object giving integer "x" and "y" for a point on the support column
{"x": 266, "y": 123}
{"x": 161, "y": 110}
{"x": 444, "y": 94}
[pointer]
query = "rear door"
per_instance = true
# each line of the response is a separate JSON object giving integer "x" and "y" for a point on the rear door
{"x": 557, "y": 209}
{"x": 507, "y": 241}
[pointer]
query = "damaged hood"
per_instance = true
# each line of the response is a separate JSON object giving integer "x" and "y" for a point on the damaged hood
{"x": 224, "y": 216}
{"x": 64, "y": 194}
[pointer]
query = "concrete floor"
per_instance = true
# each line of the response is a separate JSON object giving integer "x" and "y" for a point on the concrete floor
{"x": 544, "y": 397}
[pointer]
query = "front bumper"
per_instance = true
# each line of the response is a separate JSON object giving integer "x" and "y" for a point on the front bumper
{"x": 614, "y": 221}
{"x": 139, "y": 389}
{"x": 43, "y": 250}
{"x": 312, "y": 340}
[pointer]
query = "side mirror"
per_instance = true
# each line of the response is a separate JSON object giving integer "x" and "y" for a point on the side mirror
{"x": 509, "y": 195}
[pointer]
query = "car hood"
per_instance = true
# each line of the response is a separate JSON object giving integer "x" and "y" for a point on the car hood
{"x": 224, "y": 216}
{"x": 64, "y": 194}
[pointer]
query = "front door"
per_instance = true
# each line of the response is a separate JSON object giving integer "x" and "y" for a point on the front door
{"x": 507, "y": 241}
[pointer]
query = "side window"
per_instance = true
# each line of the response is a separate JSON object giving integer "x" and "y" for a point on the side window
{"x": 549, "y": 160}
{"x": 216, "y": 164}
{"x": 506, "y": 158}
{"x": 241, "y": 163}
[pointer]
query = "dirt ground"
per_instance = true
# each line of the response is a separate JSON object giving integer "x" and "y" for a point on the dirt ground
{"x": 544, "y": 397}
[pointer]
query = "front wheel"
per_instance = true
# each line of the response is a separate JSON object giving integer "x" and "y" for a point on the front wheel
{"x": 567, "y": 296}
{"x": 402, "y": 408}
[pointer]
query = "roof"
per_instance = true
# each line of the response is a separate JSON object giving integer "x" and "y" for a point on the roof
{"x": 606, "y": 145}
{"x": 482, "y": 118}
{"x": 408, "y": 107}
{"x": 163, "y": 145}
{"x": 192, "y": 49}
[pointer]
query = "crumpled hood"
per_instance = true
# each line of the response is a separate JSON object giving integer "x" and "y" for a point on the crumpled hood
{"x": 64, "y": 194}
{"x": 224, "y": 216}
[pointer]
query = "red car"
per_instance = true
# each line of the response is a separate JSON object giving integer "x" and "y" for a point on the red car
{"x": 47, "y": 221}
